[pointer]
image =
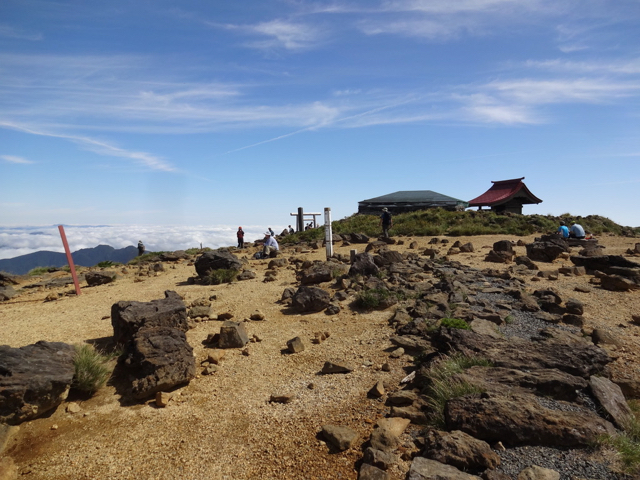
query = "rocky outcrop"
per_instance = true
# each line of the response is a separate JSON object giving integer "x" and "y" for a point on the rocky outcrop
{"x": 34, "y": 379}
{"x": 216, "y": 260}
{"x": 547, "y": 248}
{"x": 127, "y": 317}
{"x": 522, "y": 420}
{"x": 158, "y": 359}
{"x": 311, "y": 299}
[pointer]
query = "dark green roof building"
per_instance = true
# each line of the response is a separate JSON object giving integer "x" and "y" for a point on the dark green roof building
{"x": 410, "y": 201}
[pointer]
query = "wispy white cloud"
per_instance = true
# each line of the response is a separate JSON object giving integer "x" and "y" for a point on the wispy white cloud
{"x": 101, "y": 147}
{"x": 582, "y": 90}
{"x": 280, "y": 34}
{"x": 12, "y": 32}
{"x": 609, "y": 67}
{"x": 15, "y": 159}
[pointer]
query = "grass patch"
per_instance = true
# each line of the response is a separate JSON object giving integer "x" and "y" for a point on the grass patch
{"x": 436, "y": 221}
{"x": 220, "y": 275}
{"x": 455, "y": 323}
{"x": 372, "y": 298}
{"x": 92, "y": 369}
{"x": 627, "y": 444}
{"x": 40, "y": 271}
{"x": 442, "y": 387}
{"x": 107, "y": 264}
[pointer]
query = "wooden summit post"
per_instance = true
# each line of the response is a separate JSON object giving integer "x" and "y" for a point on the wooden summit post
{"x": 328, "y": 234}
{"x": 69, "y": 259}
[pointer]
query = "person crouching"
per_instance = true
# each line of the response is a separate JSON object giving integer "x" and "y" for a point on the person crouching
{"x": 270, "y": 245}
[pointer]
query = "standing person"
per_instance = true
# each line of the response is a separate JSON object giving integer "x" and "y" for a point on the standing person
{"x": 291, "y": 230}
{"x": 270, "y": 245}
{"x": 140, "y": 248}
{"x": 386, "y": 222}
{"x": 576, "y": 231}
{"x": 240, "y": 235}
{"x": 563, "y": 230}
{"x": 271, "y": 232}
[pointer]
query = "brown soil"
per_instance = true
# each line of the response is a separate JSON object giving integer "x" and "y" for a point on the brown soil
{"x": 222, "y": 426}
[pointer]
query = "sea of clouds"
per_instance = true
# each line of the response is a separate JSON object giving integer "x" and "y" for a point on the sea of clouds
{"x": 16, "y": 241}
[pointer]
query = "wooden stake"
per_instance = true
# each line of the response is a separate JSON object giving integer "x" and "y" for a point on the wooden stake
{"x": 69, "y": 259}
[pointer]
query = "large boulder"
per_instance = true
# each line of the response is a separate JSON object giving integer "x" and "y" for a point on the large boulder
{"x": 158, "y": 359}
{"x": 426, "y": 469}
{"x": 317, "y": 273}
{"x": 233, "y": 335}
{"x": 547, "y": 248}
{"x": 522, "y": 420}
{"x": 363, "y": 265}
{"x": 94, "y": 279}
{"x": 610, "y": 397}
{"x": 460, "y": 450}
{"x": 7, "y": 292}
{"x": 311, "y": 299}
{"x": 34, "y": 379}
{"x": 127, "y": 317}
{"x": 543, "y": 382}
{"x": 604, "y": 263}
{"x": 553, "y": 349}
{"x": 216, "y": 260}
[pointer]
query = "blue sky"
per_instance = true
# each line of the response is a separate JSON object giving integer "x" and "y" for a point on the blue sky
{"x": 229, "y": 113}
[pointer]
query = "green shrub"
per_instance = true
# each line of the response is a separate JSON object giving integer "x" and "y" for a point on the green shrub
{"x": 372, "y": 298}
{"x": 107, "y": 264}
{"x": 39, "y": 271}
{"x": 91, "y": 369}
{"x": 455, "y": 323}
{"x": 436, "y": 221}
{"x": 220, "y": 275}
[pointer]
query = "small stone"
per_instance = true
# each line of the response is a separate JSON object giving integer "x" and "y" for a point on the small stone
{"x": 377, "y": 390}
{"x": 257, "y": 315}
{"x": 295, "y": 345}
{"x": 209, "y": 370}
{"x": 335, "y": 367}
{"x": 54, "y": 427}
{"x": 245, "y": 351}
{"x": 386, "y": 367}
{"x": 281, "y": 398}
{"x": 216, "y": 356}
{"x": 163, "y": 399}
{"x": 73, "y": 407}
{"x": 397, "y": 353}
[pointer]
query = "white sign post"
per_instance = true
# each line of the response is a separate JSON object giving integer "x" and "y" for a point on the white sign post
{"x": 328, "y": 234}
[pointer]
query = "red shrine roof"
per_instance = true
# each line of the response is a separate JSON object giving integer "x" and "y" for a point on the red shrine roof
{"x": 504, "y": 190}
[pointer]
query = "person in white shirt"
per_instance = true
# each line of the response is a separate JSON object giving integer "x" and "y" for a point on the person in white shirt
{"x": 270, "y": 245}
{"x": 576, "y": 231}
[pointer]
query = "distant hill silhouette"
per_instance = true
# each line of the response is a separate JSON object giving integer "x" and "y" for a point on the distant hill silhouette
{"x": 86, "y": 257}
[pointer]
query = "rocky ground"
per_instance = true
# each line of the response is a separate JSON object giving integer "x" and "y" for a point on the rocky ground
{"x": 223, "y": 425}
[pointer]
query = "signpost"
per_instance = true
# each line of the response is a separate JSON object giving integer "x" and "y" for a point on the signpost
{"x": 69, "y": 259}
{"x": 328, "y": 234}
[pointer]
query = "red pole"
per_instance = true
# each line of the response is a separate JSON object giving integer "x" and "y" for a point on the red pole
{"x": 69, "y": 259}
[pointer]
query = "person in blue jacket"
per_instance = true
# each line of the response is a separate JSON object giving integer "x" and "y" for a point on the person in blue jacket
{"x": 563, "y": 230}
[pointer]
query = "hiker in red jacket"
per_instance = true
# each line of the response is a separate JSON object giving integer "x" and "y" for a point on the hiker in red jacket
{"x": 240, "y": 236}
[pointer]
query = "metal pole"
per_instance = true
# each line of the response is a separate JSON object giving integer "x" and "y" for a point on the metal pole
{"x": 328, "y": 234}
{"x": 69, "y": 259}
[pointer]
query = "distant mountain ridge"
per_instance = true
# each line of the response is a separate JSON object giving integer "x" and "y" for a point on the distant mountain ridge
{"x": 86, "y": 257}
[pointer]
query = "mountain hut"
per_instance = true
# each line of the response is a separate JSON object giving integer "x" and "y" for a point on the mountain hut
{"x": 410, "y": 201}
{"x": 506, "y": 196}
